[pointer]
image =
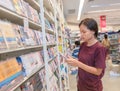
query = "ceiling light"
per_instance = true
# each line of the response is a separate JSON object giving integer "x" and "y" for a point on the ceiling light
{"x": 80, "y": 9}
{"x": 99, "y": 11}
{"x": 104, "y": 5}
{"x": 114, "y": 4}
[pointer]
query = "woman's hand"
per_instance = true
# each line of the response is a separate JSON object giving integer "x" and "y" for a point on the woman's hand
{"x": 71, "y": 61}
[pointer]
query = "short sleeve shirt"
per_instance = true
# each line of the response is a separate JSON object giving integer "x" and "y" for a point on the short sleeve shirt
{"x": 94, "y": 56}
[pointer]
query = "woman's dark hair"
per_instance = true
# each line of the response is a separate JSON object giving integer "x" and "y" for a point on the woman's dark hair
{"x": 91, "y": 24}
{"x": 105, "y": 36}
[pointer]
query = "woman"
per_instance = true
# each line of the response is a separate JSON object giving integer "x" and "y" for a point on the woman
{"x": 106, "y": 43}
{"x": 91, "y": 60}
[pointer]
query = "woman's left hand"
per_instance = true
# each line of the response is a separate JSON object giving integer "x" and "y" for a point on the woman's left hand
{"x": 71, "y": 61}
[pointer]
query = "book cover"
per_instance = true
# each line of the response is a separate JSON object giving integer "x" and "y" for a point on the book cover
{"x": 23, "y": 35}
{"x": 3, "y": 45}
{"x": 17, "y": 35}
{"x": 37, "y": 37}
{"x": 9, "y": 70}
{"x": 18, "y": 6}
{"x": 33, "y": 84}
{"x": 9, "y": 34}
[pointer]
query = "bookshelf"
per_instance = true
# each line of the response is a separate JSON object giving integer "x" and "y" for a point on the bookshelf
{"x": 33, "y": 42}
{"x": 114, "y": 49}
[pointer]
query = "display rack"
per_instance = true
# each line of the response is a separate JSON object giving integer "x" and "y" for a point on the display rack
{"x": 114, "y": 45}
{"x": 47, "y": 67}
{"x": 114, "y": 48}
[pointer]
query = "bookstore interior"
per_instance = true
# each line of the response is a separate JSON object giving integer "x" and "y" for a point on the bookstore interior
{"x": 36, "y": 34}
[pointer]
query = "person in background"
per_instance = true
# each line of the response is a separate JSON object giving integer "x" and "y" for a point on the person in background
{"x": 91, "y": 59}
{"x": 76, "y": 49}
{"x": 106, "y": 43}
{"x": 74, "y": 70}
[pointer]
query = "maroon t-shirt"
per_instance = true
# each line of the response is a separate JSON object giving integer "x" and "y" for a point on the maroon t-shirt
{"x": 94, "y": 56}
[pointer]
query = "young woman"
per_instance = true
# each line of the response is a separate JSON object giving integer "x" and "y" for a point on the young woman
{"x": 91, "y": 60}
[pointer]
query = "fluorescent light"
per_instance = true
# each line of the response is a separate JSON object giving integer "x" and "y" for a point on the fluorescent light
{"x": 114, "y": 4}
{"x": 99, "y": 11}
{"x": 80, "y": 9}
{"x": 104, "y": 5}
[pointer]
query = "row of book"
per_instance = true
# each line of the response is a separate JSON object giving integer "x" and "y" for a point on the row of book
{"x": 22, "y": 66}
{"x": 21, "y": 7}
{"x": 15, "y": 36}
{"x": 50, "y": 38}
{"x": 36, "y": 83}
{"x": 49, "y": 25}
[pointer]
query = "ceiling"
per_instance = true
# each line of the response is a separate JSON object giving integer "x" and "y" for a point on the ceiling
{"x": 93, "y": 9}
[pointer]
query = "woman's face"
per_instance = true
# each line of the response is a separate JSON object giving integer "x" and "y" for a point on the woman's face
{"x": 86, "y": 34}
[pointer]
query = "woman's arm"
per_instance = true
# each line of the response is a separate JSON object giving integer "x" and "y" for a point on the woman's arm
{"x": 90, "y": 69}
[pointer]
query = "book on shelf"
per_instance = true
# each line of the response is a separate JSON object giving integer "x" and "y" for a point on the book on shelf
{"x": 35, "y": 16}
{"x": 37, "y": 34}
{"x": 8, "y": 4}
{"x": 32, "y": 40}
{"x": 18, "y": 35}
{"x": 47, "y": 24}
{"x": 50, "y": 38}
{"x": 8, "y": 34}
{"x": 3, "y": 45}
{"x": 42, "y": 55}
{"x": 10, "y": 69}
{"x": 30, "y": 62}
{"x": 50, "y": 55}
{"x": 18, "y": 6}
{"x": 32, "y": 84}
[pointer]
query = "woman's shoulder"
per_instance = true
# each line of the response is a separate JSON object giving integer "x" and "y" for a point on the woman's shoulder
{"x": 83, "y": 43}
{"x": 100, "y": 45}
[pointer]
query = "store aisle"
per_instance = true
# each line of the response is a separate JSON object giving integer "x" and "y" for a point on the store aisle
{"x": 109, "y": 83}
{"x": 73, "y": 83}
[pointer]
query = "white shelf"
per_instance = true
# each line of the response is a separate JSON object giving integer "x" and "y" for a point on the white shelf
{"x": 49, "y": 17}
{"x": 28, "y": 77}
{"x": 34, "y": 25}
{"x": 53, "y": 73}
{"x": 51, "y": 45}
{"x": 50, "y": 31}
{"x": 52, "y": 59}
{"x": 17, "y": 18}
{"x": 20, "y": 51}
{"x": 34, "y": 4}
{"x": 10, "y": 15}
{"x": 48, "y": 5}
{"x": 24, "y": 48}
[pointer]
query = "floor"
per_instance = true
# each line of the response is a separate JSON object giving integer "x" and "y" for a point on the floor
{"x": 109, "y": 83}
